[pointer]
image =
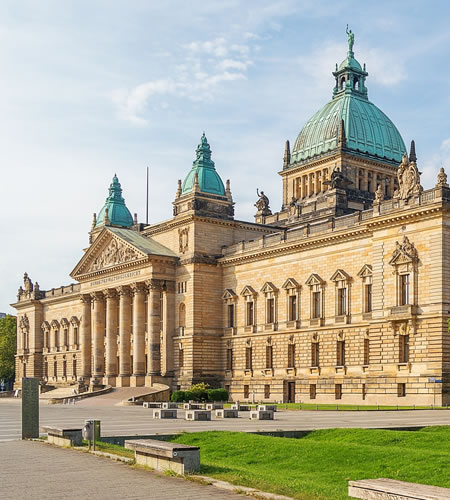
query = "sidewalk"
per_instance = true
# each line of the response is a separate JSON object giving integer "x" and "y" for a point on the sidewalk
{"x": 35, "y": 471}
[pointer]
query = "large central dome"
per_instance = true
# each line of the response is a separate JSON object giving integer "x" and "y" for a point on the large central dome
{"x": 367, "y": 129}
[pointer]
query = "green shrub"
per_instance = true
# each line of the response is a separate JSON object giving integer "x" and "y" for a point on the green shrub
{"x": 178, "y": 396}
{"x": 217, "y": 395}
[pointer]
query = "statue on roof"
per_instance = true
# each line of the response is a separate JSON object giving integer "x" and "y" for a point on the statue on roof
{"x": 408, "y": 177}
{"x": 442, "y": 179}
{"x": 351, "y": 39}
{"x": 262, "y": 204}
{"x": 27, "y": 284}
{"x": 337, "y": 179}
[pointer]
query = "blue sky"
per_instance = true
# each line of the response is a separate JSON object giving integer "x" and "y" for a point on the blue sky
{"x": 90, "y": 88}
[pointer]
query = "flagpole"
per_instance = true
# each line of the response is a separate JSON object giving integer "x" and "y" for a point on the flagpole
{"x": 146, "y": 204}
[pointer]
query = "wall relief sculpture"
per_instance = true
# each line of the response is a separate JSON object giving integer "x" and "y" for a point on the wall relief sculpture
{"x": 115, "y": 253}
{"x": 404, "y": 252}
{"x": 183, "y": 235}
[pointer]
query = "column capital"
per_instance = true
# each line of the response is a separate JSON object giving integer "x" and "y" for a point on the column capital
{"x": 85, "y": 299}
{"x": 153, "y": 284}
{"x": 138, "y": 288}
{"x": 110, "y": 293}
{"x": 97, "y": 296}
{"x": 123, "y": 290}
{"x": 168, "y": 286}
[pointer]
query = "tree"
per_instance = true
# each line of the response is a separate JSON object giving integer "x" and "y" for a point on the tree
{"x": 8, "y": 335}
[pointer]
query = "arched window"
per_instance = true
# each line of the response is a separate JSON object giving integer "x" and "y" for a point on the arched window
{"x": 182, "y": 318}
{"x": 356, "y": 84}
{"x": 343, "y": 83}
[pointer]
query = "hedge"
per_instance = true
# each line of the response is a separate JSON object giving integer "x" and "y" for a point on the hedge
{"x": 207, "y": 395}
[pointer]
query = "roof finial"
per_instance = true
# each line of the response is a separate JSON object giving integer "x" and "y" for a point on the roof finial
{"x": 196, "y": 185}
{"x": 412, "y": 152}
{"x": 94, "y": 221}
{"x": 351, "y": 39}
{"x": 135, "y": 220}
{"x": 287, "y": 155}
{"x": 107, "y": 221}
{"x": 341, "y": 135}
{"x": 228, "y": 190}
{"x": 179, "y": 189}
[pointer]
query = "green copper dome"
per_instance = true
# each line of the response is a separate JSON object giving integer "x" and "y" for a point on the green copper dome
{"x": 209, "y": 180}
{"x": 118, "y": 213}
{"x": 367, "y": 129}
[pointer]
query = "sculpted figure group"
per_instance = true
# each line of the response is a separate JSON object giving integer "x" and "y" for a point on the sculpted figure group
{"x": 115, "y": 253}
{"x": 408, "y": 177}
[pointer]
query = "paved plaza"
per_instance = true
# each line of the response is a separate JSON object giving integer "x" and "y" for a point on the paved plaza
{"x": 117, "y": 420}
{"x": 48, "y": 472}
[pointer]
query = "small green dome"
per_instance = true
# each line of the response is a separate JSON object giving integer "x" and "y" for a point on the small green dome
{"x": 209, "y": 180}
{"x": 118, "y": 213}
{"x": 367, "y": 129}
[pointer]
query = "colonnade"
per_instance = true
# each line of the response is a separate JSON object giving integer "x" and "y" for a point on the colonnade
{"x": 312, "y": 183}
{"x": 120, "y": 323}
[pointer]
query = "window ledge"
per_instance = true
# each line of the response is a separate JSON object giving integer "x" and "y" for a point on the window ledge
{"x": 345, "y": 318}
{"x": 316, "y": 321}
{"x": 271, "y": 327}
{"x": 314, "y": 369}
{"x": 341, "y": 369}
{"x": 250, "y": 329}
{"x": 230, "y": 330}
{"x": 406, "y": 310}
{"x": 367, "y": 315}
{"x": 248, "y": 372}
{"x": 291, "y": 371}
{"x": 404, "y": 366}
{"x": 293, "y": 324}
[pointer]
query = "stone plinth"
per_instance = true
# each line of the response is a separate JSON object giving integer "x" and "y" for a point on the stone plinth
{"x": 226, "y": 413}
{"x": 62, "y": 436}
{"x": 163, "y": 456}
{"x": 30, "y": 407}
{"x": 192, "y": 406}
{"x": 214, "y": 406}
{"x": 261, "y": 415}
{"x": 169, "y": 405}
{"x": 267, "y": 408}
{"x": 165, "y": 413}
{"x": 202, "y": 415}
{"x": 150, "y": 404}
{"x": 396, "y": 490}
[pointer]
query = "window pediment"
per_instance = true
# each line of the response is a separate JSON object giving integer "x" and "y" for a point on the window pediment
{"x": 314, "y": 279}
{"x": 229, "y": 294}
{"x": 75, "y": 321}
{"x": 366, "y": 271}
{"x": 64, "y": 323}
{"x": 269, "y": 287}
{"x": 45, "y": 326}
{"x": 248, "y": 290}
{"x": 290, "y": 283}
{"x": 340, "y": 275}
{"x": 404, "y": 253}
{"x": 55, "y": 324}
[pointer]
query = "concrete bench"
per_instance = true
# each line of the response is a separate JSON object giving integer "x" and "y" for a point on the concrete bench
{"x": 214, "y": 406}
{"x": 160, "y": 413}
{"x": 193, "y": 406}
{"x": 170, "y": 405}
{"x": 226, "y": 413}
{"x": 162, "y": 456}
{"x": 150, "y": 404}
{"x": 261, "y": 415}
{"x": 390, "y": 488}
{"x": 198, "y": 415}
{"x": 267, "y": 408}
{"x": 63, "y": 436}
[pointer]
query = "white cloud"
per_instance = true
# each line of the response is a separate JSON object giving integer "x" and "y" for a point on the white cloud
{"x": 233, "y": 64}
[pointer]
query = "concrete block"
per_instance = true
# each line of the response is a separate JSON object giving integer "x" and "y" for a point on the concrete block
{"x": 160, "y": 413}
{"x": 169, "y": 405}
{"x": 202, "y": 415}
{"x": 226, "y": 413}
{"x": 214, "y": 406}
{"x": 150, "y": 404}
{"x": 267, "y": 408}
{"x": 261, "y": 415}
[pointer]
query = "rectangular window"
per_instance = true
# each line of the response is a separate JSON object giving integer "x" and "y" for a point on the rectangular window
{"x": 338, "y": 391}
{"x": 74, "y": 368}
{"x": 270, "y": 311}
{"x": 292, "y": 307}
{"x": 161, "y": 311}
{"x": 267, "y": 391}
{"x": 248, "y": 358}
{"x": 342, "y": 302}
{"x": 291, "y": 355}
{"x": 401, "y": 390}
{"x": 340, "y": 353}
{"x": 229, "y": 359}
{"x": 404, "y": 289}
{"x": 230, "y": 315}
{"x": 181, "y": 358}
{"x": 269, "y": 356}
{"x": 404, "y": 348}
{"x": 368, "y": 298}
{"x": 312, "y": 391}
{"x": 363, "y": 393}
{"x": 246, "y": 391}
{"x": 366, "y": 359}
{"x": 315, "y": 354}
{"x": 316, "y": 309}
{"x": 249, "y": 314}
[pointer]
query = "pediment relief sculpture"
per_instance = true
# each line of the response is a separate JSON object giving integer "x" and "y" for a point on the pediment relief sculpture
{"x": 404, "y": 252}
{"x": 115, "y": 253}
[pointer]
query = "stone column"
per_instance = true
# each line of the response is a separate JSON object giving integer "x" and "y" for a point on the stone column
{"x": 391, "y": 186}
{"x": 317, "y": 182}
{"x": 324, "y": 178}
{"x": 85, "y": 337}
{"x": 311, "y": 184}
{"x": 99, "y": 336}
{"x": 365, "y": 185}
{"x": 305, "y": 186}
{"x": 168, "y": 327}
{"x": 138, "y": 378}
{"x": 111, "y": 336}
{"x": 124, "y": 336}
{"x": 154, "y": 327}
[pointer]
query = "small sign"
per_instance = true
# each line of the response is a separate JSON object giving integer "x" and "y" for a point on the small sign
{"x": 435, "y": 380}
{"x": 431, "y": 379}
{"x": 438, "y": 381}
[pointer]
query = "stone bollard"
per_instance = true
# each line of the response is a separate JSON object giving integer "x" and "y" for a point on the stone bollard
{"x": 261, "y": 415}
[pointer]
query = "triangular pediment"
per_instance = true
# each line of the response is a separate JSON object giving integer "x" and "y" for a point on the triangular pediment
{"x": 229, "y": 294}
{"x": 340, "y": 275}
{"x": 404, "y": 253}
{"x": 269, "y": 287}
{"x": 314, "y": 279}
{"x": 366, "y": 271}
{"x": 115, "y": 248}
{"x": 290, "y": 283}
{"x": 248, "y": 290}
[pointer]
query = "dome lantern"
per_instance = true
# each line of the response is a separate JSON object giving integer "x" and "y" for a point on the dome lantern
{"x": 114, "y": 211}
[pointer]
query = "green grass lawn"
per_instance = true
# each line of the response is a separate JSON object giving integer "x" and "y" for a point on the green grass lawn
{"x": 319, "y": 465}
{"x": 115, "y": 449}
{"x": 334, "y": 407}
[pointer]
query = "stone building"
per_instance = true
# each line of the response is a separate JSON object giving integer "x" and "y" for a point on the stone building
{"x": 339, "y": 296}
